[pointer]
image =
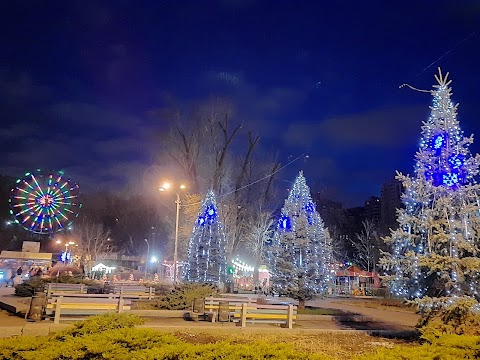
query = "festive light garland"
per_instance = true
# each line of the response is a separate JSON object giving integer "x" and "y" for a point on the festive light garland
{"x": 301, "y": 247}
{"x": 206, "y": 261}
{"x": 436, "y": 241}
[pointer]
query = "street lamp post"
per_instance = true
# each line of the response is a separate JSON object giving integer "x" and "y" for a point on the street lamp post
{"x": 146, "y": 260}
{"x": 175, "y": 250}
{"x": 166, "y": 186}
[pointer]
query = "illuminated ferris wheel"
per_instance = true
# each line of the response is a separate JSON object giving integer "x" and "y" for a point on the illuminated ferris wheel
{"x": 45, "y": 202}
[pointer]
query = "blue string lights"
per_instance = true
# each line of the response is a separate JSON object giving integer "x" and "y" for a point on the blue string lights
{"x": 206, "y": 261}
{"x": 435, "y": 250}
{"x": 300, "y": 254}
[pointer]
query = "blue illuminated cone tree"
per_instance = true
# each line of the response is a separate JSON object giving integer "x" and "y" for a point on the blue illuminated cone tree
{"x": 435, "y": 249}
{"x": 300, "y": 254}
{"x": 206, "y": 261}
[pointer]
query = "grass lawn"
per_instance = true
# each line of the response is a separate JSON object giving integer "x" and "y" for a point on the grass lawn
{"x": 335, "y": 345}
{"x": 318, "y": 311}
{"x": 115, "y": 336}
{"x": 382, "y": 304}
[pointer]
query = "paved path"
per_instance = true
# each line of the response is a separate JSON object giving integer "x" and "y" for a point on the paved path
{"x": 396, "y": 318}
{"x": 374, "y": 319}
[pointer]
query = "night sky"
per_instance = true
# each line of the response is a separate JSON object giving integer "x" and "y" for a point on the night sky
{"x": 80, "y": 80}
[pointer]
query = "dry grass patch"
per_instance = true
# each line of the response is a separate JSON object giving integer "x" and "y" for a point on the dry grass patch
{"x": 336, "y": 345}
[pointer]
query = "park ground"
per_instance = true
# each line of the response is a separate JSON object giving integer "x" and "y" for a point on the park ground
{"x": 367, "y": 316}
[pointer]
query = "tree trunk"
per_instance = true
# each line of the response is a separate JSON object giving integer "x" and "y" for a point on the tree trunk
{"x": 301, "y": 304}
{"x": 256, "y": 276}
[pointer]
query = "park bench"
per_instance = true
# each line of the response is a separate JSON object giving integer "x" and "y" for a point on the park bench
{"x": 133, "y": 291}
{"x": 75, "y": 307}
{"x": 218, "y": 308}
{"x": 65, "y": 288}
{"x": 283, "y": 315}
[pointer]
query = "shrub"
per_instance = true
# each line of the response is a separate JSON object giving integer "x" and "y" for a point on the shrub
{"x": 181, "y": 297}
{"x": 62, "y": 269}
{"x": 160, "y": 289}
{"x": 101, "y": 323}
{"x": 447, "y": 347}
{"x": 393, "y": 302}
{"x": 27, "y": 288}
{"x": 440, "y": 317}
{"x": 128, "y": 344}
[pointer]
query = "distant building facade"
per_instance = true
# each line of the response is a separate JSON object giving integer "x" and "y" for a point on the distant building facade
{"x": 391, "y": 200}
{"x": 372, "y": 209}
{"x": 330, "y": 211}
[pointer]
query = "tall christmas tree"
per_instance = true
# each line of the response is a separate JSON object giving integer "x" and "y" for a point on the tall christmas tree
{"x": 206, "y": 251}
{"x": 435, "y": 250}
{"x": 300, "y": 254}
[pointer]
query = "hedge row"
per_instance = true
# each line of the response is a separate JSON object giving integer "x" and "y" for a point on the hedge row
{"x": 115, "y": 337}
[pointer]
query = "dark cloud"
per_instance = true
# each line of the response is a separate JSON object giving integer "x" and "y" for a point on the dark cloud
{"x": 97, "y": 146}
{"x": 86, "y": 114}
{"x": 381, "y": 128}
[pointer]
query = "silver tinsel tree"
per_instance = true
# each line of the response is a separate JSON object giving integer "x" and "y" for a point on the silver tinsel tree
{"x": 435, "y": 250}
{"x": 300, "y": 254}
{"x": 206, "y": 261}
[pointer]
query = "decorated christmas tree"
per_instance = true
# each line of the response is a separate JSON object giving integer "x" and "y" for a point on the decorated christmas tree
{"x": 206, "y": 261}
{"x": 435, "y": 249}
{"x": 300, "y": 254}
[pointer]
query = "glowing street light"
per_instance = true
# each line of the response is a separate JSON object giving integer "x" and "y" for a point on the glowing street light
{"x": 146, "y": 260}
{"x": 165, "y": 187}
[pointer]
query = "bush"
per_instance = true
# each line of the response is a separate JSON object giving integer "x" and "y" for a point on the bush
{"x": 27, "y": 288}
{"x": 95, "y": 289}
{"x": 439, "y": 317}
{"x": 447, "y": 347}
{"x": 160, "y": 289}
{"x": 113, "y": 337}
{"x": 101, "y": 323}
{"x": 182, "y": 296}
{"x": 393, "y": 302}
{"x": 62, "y": 269}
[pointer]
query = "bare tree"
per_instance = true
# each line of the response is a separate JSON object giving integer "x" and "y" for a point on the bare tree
{"x": 205, "y": 144}
{"x": 339, "y": 244}
{"x": 184, "y": 143}
{"x": 366, "y": 247}
{"x": 93, "y": 240}
{"x": 260, "y": 232}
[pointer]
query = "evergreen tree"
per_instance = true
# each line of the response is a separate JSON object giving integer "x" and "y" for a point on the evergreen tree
{"x": 435, "y": 250}
{"x": 300, "y": 253}
{"x": 206, "y": 261}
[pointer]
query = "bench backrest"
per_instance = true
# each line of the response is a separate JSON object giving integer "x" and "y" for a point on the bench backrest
{"x": 83, "y": 306}
{"x": 275, "y": 314}
{"x": 231, "y": 300}
{"x": 67, "y": 288}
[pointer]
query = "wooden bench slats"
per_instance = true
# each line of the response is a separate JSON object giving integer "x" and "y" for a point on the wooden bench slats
{"x": 89, "y": 296}
{"x": 263, "y": 321}
{"x": 76, "y": 300}
{"x": 246, "y": 310}
{"x": 264, "y": 316}
{"x": 60, "y": 306}
{"x": 134, "y": 291}
{"x": 66, "y": 288}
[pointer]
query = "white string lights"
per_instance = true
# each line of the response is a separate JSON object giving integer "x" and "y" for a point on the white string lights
{"x": 301, "y": 252}
{"x": 206, "y": 261}
{"x": 435, "y": 250}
